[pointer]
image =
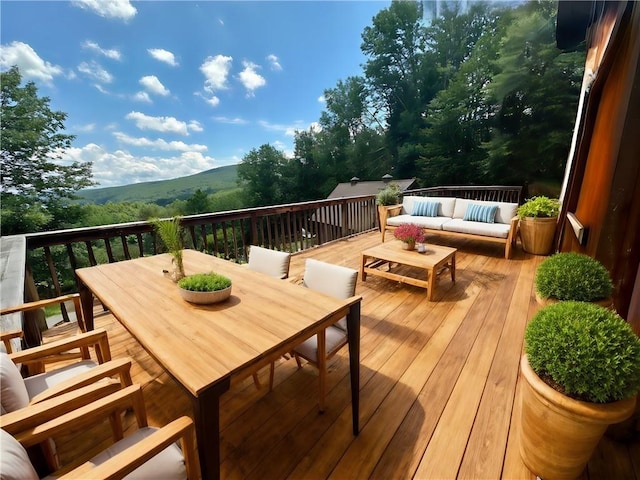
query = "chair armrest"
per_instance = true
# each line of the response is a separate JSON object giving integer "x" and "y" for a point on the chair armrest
{"x": 7, "y": 336}
{"x": 33, "y": 415}
{"x": 85, "y": 416}
{"x": 25, "y": 307}
{"x": 96, "y": 338}
{"x": 127, "y": 461}
{"x": 120, "y": 367}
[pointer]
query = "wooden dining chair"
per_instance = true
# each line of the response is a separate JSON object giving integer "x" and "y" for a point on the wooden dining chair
{"x": 270, "y": 262}
{"x": 339, "y": 282}
{"x": 145, "y": 453}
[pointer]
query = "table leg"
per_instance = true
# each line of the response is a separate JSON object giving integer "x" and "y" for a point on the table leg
{"x": 86, "y": 300}
{"x": 453, "y": 268}
{"x": 206, "y": 410}
{"x": 353, "y": 335}
{"x": 363, "y": 274}
{"x": 431, "y": 282}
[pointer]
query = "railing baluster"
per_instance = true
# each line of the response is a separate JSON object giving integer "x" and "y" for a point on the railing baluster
{"x": 140, "y": 244}
{"x": 92, "y": 257}
{"x": 125, "y": 247}
{"x": 107, "y": 244}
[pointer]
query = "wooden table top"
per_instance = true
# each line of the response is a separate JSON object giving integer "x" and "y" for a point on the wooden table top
{"x": 200, "y": 345}
{"x": 393, "y": 252}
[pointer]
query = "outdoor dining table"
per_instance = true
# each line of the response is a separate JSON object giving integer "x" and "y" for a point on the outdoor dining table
{"x": 203, "y": 346}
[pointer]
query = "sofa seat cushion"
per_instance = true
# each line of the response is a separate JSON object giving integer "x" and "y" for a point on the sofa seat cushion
{"x": 498, "y": 230}
{"x": 434, "y": 223}
{"x": 506, "y": 211}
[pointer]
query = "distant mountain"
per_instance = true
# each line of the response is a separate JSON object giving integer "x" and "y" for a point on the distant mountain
{"x": 164, "y": 192}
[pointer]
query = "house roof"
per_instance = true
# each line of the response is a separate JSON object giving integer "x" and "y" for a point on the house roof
{"x": 357, "y": 188}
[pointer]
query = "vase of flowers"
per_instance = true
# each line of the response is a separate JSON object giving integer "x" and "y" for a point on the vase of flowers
{"x": 409, "y": 234}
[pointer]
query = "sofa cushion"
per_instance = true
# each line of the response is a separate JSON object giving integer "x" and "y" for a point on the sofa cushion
{"x": 506, "y": 211}
{"x": 425, "y": 208}
{"x": 37, "y": 384}
{"x": 445, "y": 208}
{"x": 13, "y": 392}
{"x": 434, "y": 223}
{"x": 498, "y": 230}
{"x": 480, "y": 213}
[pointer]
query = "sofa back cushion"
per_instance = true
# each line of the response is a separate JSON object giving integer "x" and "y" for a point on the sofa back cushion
{"x": 445, "y": 209}
{"x": 506, "y": 211}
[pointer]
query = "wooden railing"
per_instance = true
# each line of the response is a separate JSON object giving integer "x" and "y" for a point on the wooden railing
{"x": 495, "y": 193}
{"x": 53, "y": 256}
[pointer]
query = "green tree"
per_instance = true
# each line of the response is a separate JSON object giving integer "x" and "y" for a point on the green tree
{"x": 536, "y": 96}
{"x": 198, "y": 203}
{"x": 36, "y": 189}
{"x": 260, "y": 176}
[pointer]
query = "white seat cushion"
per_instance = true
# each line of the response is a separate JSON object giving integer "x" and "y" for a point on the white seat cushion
{"x": 335, "y": 337}
{"x": 37, "y": 384}
{"x": 13, "y": 392}
{"x": 269, "y": 262}
{"x": 498, "y": 230}
{"x": 434, "y": 223}
{"x": 14, "y": 460}
{"x": 445, "y": 209}
{"x": 333, "y": 280}
{"x": 168, "y": 464}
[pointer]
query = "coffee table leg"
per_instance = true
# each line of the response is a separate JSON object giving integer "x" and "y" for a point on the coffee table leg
{"x": 452, "y": 268}
{"x": 363, "y": 274}
{"x": 430, "y": 282}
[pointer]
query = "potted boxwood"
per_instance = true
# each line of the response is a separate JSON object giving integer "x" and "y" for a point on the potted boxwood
{"x": 538, "y": 217}
{"x": 204, "y": 288}
{"x": 387, "y": 200}
{"x": 580, "y": 373}
{"x": 573, "y": 276}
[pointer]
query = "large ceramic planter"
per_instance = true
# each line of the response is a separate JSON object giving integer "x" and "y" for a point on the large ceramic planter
{"x": 537, "y": 234}
{"x": 558, "y": 434}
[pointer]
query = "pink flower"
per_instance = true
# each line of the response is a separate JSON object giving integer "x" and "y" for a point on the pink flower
{"x": 408, "y": 232}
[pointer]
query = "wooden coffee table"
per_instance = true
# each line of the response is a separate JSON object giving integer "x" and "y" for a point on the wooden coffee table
{"x": 435, "y": 260}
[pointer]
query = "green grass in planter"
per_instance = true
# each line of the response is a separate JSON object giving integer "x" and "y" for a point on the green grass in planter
{"x": 205, "y": 282}
{"x": 573, "y": 276}
{"x": 588, "y": 350}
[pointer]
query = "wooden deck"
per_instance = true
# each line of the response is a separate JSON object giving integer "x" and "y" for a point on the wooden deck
{"x": 438, "y": 385}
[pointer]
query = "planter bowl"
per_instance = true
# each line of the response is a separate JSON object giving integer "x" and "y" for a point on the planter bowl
{"x": 205, "y": 298}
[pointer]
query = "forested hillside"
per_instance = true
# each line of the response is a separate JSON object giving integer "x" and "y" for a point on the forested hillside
{"x": 165, "y": 192}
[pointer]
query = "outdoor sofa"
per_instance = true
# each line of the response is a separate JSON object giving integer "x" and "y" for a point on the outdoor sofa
{"x": 488, "y": 220}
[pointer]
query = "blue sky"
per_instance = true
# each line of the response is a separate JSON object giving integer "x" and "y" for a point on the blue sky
{"x": 159, "y": 89}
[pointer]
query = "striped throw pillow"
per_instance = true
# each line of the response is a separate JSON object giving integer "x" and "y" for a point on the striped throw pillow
{"x": 423, "y": 208}
{"x": 481, "y": 213}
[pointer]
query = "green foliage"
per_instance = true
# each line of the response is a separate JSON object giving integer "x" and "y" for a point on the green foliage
{"x": 205, "y": 282}
{"x": 573, "y": 276}
{"x": 389, "y": 195}
{"x": 260, "y": 175}
{"x": 588, "y": 351}
{"x": 38, "y": 182}
{"x": 542, "y": 207}
{"x": 170, "y": 233}
{"x": 164, "y": 192}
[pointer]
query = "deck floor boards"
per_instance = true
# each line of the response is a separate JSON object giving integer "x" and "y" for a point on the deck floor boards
{"x": 439, "y": 385}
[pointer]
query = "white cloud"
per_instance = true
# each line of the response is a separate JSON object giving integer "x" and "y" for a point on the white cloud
{"x": 163, "y": 124}
{"x": 322, "y": 99}
{"x": 111, "y": 53}
{"x": 31, "y": 66}
{"x": 153, "y": 85}
{"x": 142, "y": 97}
{"x": 159, "y": 143}
{"x": 163, "y": 55}
{"x": 231, "y": 121}
{"x": 274, "y": 61}
{"x": 121, "y": 9}
{"x": 90, "y": 127}
{"x": 213, "y": 100}
{"x": 121, "y": 167}
{"x": 195, "y": 126}
{"x": 250, "y": 78}
{"x": 94, "y": 71}
{"x": 216, "y": 70}
{"x": 288, "y": 130}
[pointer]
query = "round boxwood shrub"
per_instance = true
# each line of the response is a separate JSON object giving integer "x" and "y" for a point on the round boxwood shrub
{"x": 573, "y": 276}
{"x": 585, "y": 351}
{"x": 389, "y": 195}
{"x": 205, "y": 282}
